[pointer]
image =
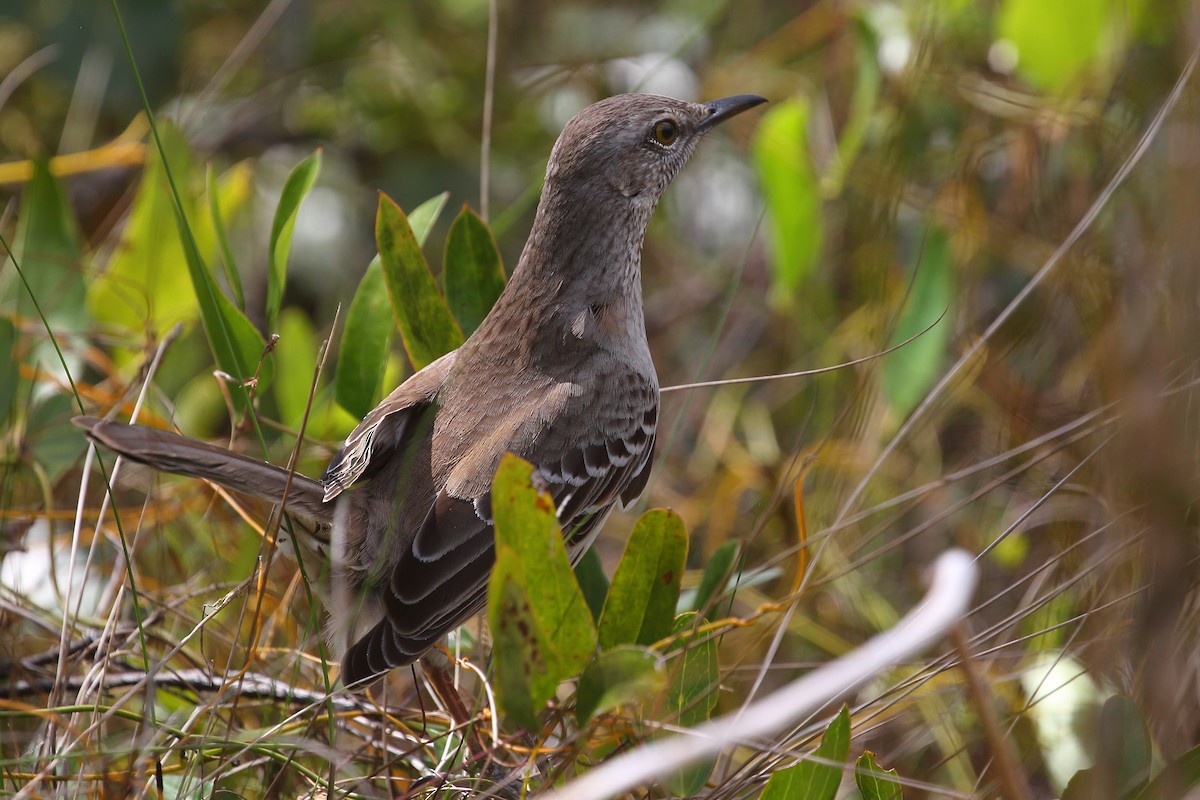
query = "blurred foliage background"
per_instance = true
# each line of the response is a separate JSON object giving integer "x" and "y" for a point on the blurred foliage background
{"x": 950, "y": 162}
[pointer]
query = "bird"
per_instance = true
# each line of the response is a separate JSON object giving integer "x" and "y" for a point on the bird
{"x": 558, "y": 373}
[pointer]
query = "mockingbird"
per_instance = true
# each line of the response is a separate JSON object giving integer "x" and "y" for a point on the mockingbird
{"x": 558, "y": 373}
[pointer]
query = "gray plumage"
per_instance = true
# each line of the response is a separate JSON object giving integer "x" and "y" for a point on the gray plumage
{"x": 559, "y": 373}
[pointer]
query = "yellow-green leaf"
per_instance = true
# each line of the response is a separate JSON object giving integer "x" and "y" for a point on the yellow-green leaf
{"x": 522, "y": 656}
{"x": 296, "y": 362}
{"x": 792, "y": 193}
{"x": 541, "y": 623}
{"x": 146, "y": 283}
{"x": 1059, "y": 45}
{"x": 295, "y": 189}
{"x": 426, "y": 325}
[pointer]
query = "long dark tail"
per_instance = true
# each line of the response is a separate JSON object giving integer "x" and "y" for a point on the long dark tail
{"x": 171, "y": 452}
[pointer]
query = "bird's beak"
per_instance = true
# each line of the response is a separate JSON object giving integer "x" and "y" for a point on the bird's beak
{"x": 726, "y": 107}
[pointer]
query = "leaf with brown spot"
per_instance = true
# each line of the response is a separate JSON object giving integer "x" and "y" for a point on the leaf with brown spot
{"x": 640, "y": 606}
{"x": 542, "y": 625}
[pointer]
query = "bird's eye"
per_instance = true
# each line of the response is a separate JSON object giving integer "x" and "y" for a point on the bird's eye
{"x": 666, "y": 132}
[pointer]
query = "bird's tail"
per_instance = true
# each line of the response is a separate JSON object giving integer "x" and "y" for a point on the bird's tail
{"x": 171, "y": 452}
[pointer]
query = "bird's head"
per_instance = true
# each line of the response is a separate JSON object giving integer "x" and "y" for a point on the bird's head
{"x": 633, "y": 145}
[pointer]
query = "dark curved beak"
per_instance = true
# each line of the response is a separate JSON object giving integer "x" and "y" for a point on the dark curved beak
{"x": 726, "y": 107}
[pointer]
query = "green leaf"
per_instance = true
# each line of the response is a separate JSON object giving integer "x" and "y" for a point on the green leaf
{"x": 1177, "y": 779}
{"x": 910, "y": 372}
{"x": 367, "y": 337}
{"x": 426, "y": 325}
{"x": 226, "y": 198}
{"x": 473, "y": 272}
{"x": 862, "y": 113}
{"x": 640, "y": 606}
{"x": 592, "y": 581}
{"x": 523, "y": 658}
{"x": 1125, "y": 750}
{"x": 1086, "y": 784}
{"x": 792, "y": 193}
{"x": 618, "y": 677}
{"x": 541, "y": 624}
{"x": 815, "y": 778}
{"x": 1123, "y": 755}
{"x": 1059, "y": 45}
{"x": 366, "y": 343}
{"x": 296, "y": 362}
{"x": 295, "y": 189}
{"x": 10, "y": 367}
{"x": 691, "y": 696}
{"x": 48, "y": 248}
{"x": 716, "y": 575}
{"x": 875, "y": 783}
{"x": 50, "y": 443}
{"x": 425, "y": 216}
{"x": 236, "y": 344}
{"x": 143, "y": 284}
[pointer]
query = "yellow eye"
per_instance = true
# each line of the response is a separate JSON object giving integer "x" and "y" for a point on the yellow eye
{"x": 665, "y": 132}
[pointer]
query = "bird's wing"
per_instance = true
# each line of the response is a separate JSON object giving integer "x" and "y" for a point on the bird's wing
{"x": 383, "y": 431}
{"x": 594, "y": 450}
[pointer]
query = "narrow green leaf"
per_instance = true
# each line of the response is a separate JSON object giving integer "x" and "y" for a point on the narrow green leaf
{"x": 792, "y": 193}
{"x": 295, "y": 189}
{"x": 640, "y": 606}
{"x": 231, "y": 191}
{"x": 426, "y": 325}
{"x": 236, "y": 344}
{"x": 691, "y": 697}
{"x": 366, "y": 343}
{"x": 875, "y": 783}
{"x": 143, "y": 285}
{"x": 1178, "y": 779}
{"x": 716, "y": 575}
{"x": 592, "y": 581}
{"x": 295, "y": 363}
{"x": 473, "y": 272}
{"x": 618, "y": 677}
{"x": 10, "y": 368}
{"x": 910, "y": 372}
{"x": 815, "y": 778}
{"x": 425, "y": 216}
{"x": 557, "y": 637}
